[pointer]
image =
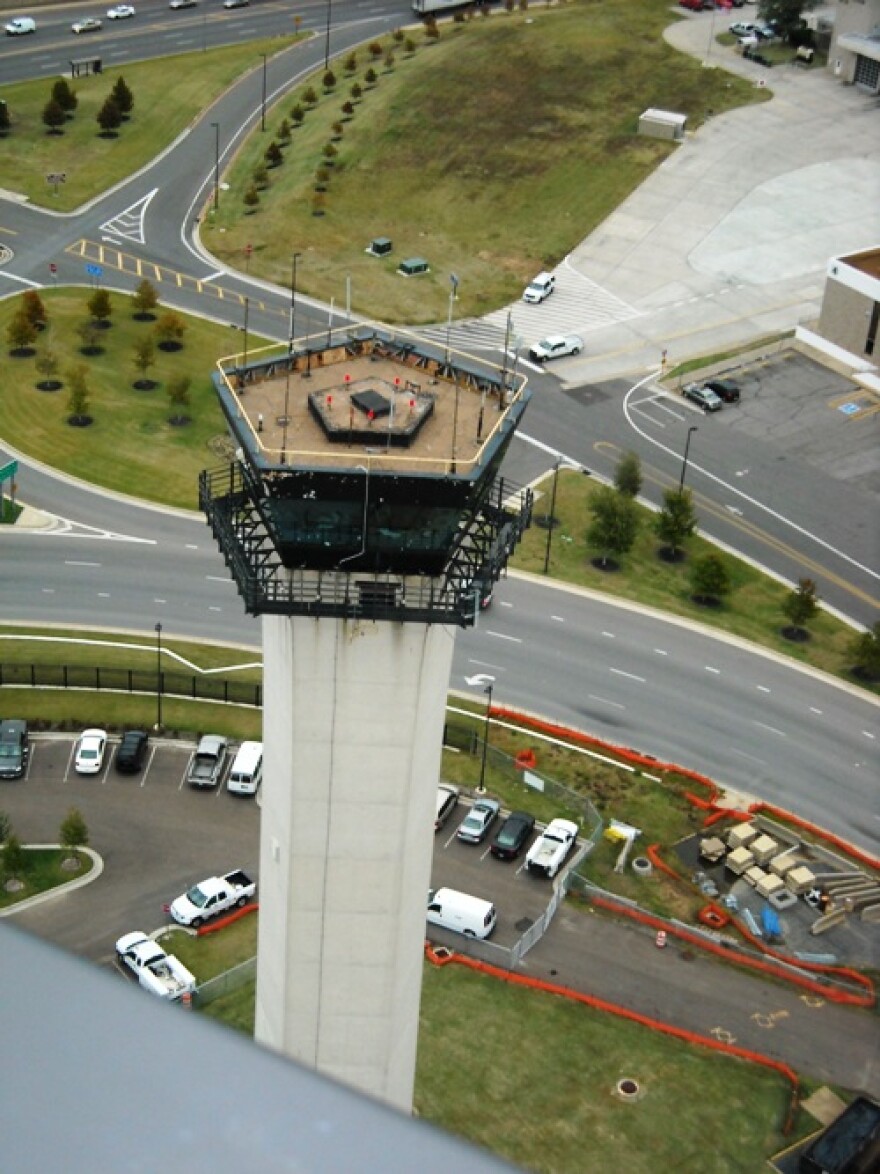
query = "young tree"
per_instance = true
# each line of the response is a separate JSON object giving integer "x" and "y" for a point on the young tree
{"x": 178, "y": 397}
{"x": 251, "y": 198}
{"x": 5, "y": 121}
{"x": 615, "y": 524}
{"x": 46, "y": 364}
{"x": 20, "y": 334}
{"x": 356, "y": 92}
{"x": 13, "y": 858}
{"x": 54, "y": 118}
{"x": 169, "y": 331}
{"x": 284, "y": 132}
{"x": 628, "y": 475}
{"x": 32, "y": 306}
{"x": 370, "y": 77}
{"x": 260, "y": 177}
{"x": 676, "y": 521}
{"x": 799, "y": 606}
{"x": 73, "y": 833}
{"x": 432, "y": 29}
{"x": 348, "y": 109}
{"x": 123, "y": 97}
{"x": 409, "y": 46}
{"x": 398, "y": 35}
{"x": 273, "y": 155}
{"x": 144, "y": 358}
{"x": 710, "y": 580}
{"x": 328, "y": 81}
{"x": 351, "y": 63}
{"x": 88, "y": 333}
{"x": 337, "y": 129}
{"x": 375, "y": 50}
{"x": 145, "y": 300}
{"x": 865, "y": 652}
{"x": 65, "y": 96}
{"x": 310, "y": 96}
{"x": 329, "y": 152}
{"x": 100, "y": 307}
{"x": 389, "y": 61}
{"x": 109, "y": 117}
{"x": 77, "y": 396}
{"x": 322, "y": 175}
{"x": 297, "y": 114}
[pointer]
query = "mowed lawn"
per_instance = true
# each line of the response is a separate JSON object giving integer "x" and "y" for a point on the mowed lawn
{"x": 490, "y": 152}
{"x": 91, "y": 163}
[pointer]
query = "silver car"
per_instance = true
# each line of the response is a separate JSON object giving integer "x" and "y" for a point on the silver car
{"x": 475, "y": 825}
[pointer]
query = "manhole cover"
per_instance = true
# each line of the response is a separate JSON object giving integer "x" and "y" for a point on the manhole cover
{"x": 628, "y": 1089}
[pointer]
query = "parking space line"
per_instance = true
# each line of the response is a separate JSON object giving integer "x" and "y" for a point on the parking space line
{"x": 149, "y": 764}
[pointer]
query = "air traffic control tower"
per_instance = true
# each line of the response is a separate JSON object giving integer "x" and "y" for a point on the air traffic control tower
{"x": 363, "y": 518}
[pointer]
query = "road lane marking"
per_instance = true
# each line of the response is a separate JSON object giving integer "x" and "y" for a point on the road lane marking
{"x": 504, "y": 636}
{"x": 813, "y": 709}
{"x": 605, "y": 701}
{"x": 772, "y": 729}
{"x": 610, "y": 635}
{"x": 69, "y": 562}
{"x": 661, "y": 652}
{"x": 762, "y": 688}
{"x": 711, "y": 669}
{"x": 630, "y": 676}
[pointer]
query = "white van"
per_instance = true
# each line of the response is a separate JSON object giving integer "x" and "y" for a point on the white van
{"x": 247, "y": 769}
{"x": 472, "y": 916}
{"x": 20, "y": 26}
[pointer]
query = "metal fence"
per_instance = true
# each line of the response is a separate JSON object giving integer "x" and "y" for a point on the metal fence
{"x": 230, "y": 980}
{"x": 120, "y": 680}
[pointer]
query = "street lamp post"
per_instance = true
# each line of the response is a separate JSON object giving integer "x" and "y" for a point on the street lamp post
{"x": 453, "y": 290}
{"x": 327, "y": 41}
{"x": 292, "y": 322}
{"x": 481, "y": 789}
{"x": 158, "y": 676}
{"x": 551, "y": 517}
{"x": 684, "y": 463}
{"x": 263, "y": 103}
{"x": 216, "y": 126}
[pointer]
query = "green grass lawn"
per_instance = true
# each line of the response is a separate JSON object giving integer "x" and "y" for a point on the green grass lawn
{"x": 752, "y": 610}
{"x": 93, "y": 164}
{"x": 42, "y": 869}
{"x": 490, "y": 152}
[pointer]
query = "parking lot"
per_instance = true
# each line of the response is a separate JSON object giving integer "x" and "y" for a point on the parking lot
{"x": 157, "y": 835}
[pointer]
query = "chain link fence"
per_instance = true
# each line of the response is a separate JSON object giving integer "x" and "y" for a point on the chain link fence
{"x": 224, "y": 983}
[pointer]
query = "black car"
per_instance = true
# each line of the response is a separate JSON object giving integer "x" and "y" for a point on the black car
{"x": 725, "y": 389}
{"x": 132, "y": 751}
{"x": 513, "y": 835}
{"x": 13, "y": 748}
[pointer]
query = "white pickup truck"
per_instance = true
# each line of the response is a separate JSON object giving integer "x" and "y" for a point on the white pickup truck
{"x": 547, "y": 855}
{"x": 213, "y": 896}
{"x": 160, "y": 973}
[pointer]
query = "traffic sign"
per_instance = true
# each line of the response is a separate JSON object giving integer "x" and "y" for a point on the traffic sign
{"x": 53, "y": 268}
{"x": 94, "y": 270}
{"x": 8, "y": 470}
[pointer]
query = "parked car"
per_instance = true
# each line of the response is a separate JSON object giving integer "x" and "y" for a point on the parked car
{"x": 556, "y": 346}
{"x": 513, "y": 835}
{"x": 540, "y": 288}
{"x": 702, "y": 396}
{"x": 183, "y": 3}
{"x": 89, "y": 756}
{"x": 742, "y": 28}
{"x": 475, "y": 826}
{"x": 14, "y": 748}
{"x": 120, "y": 12}
{"x": 132, "y": 751}
{"x": 89, "y": 24}
{"x": 236, "y": 3}
{"x": 19, "y": 26}
{"x": 725, "y": 389}
{"x": 447, "y": 798}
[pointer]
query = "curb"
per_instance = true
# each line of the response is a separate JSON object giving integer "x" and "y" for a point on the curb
{"x": 68, "y": 887}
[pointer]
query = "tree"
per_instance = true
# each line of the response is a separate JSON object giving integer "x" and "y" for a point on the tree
{"x": 297, "y": 114}
{"x": 144, "y": 358}
{"x": 615, "y": 524}
{"x": 799, "y": 606}
{"x": 169, "y": 330}
{"x": 786, "y": 15}
{"x": 273, "y": 155}
{"x": 432, "y": 29}
{"x": 398, "y": 35}
{"x": 628, "y": 475}
{"x": 178, "y": 396}
{"x": 351, "y": 63}
{"x": 123, "y": 97}
{"x": 54, "y": 118}
{"x": 20, "y": 334}
{"x": 65, "y": 96}
{"x": 329, "y": 152}
{"x": 389, "y": 61}
{"x": 409, "y": 46}
{"x": 310, "y": 97}
{"x": 5, "y": 121}
{"x": 109, "y": 117}
{"x": 348, "y": 109}
{"x": 77, "y": 396}
{"x": 32, "y": 306}
{"x": 337, "y": 129}
{"x": 100, "y": 307}
{"x": 251, "y": 198}
{"x": 328, "y": 81}
{"x": 73, "y": 833}
{"x": 46, "y": 364}
{"x": 375, "y": 50}
{"x": 710, "y": 580}
{"x": 145, "y": 300}
{"x": 356, "y": 92}
{"x": 370, "y": 77}
{"x": 88, "y": 334}
{"x": 676, "y": 521}
{"x": 260, "y": 177}
{"x": 13, "y": 857}
{"x": 865, "y": 652}
{"x": 322, "y": 175}
{"x": 284, "y": 132}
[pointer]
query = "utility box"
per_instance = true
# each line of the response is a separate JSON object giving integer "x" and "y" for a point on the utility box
{"x": 662, "y": 124}
{"x": 380, "y": 246}
{"x": 413, "y": 266}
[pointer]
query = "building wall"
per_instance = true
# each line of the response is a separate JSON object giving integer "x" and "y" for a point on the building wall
{"x": 852, "y": 18}
{"x": 850, "y": 304}
{"x": 353, "y": 725}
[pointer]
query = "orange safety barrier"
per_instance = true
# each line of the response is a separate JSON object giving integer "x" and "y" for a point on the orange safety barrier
{"x": 526, "y": 759}
{"x": 598, "y": 1004}
{"x": 221, "y": 923}
{"x": 714, "y": 917}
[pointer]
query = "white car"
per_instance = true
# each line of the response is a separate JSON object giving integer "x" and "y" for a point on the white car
{"x": 90, "y": 752}
{"x": 120, "y": 12}
{"x": 540, "y": 288}
{"x": 475, "y": 826}
{"x": 183, "y": 4}
{"x": 20, "y": 26}
{"x": 556, "y": 346}
{"x": 89, "y": 24}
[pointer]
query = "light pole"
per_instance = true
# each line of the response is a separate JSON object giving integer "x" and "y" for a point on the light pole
{"x": 684, "y": 463}
{"x": 453, "y": 290}
{"x": 327, "y": 41}
{"x": 216, "y": 126}
{"x": 481, "y": 789}
{"x": 158, "y": 676}
{"x": 292, "y": 322}
{"x": 551, "y": 518}
{"x": 263, "y": 103}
